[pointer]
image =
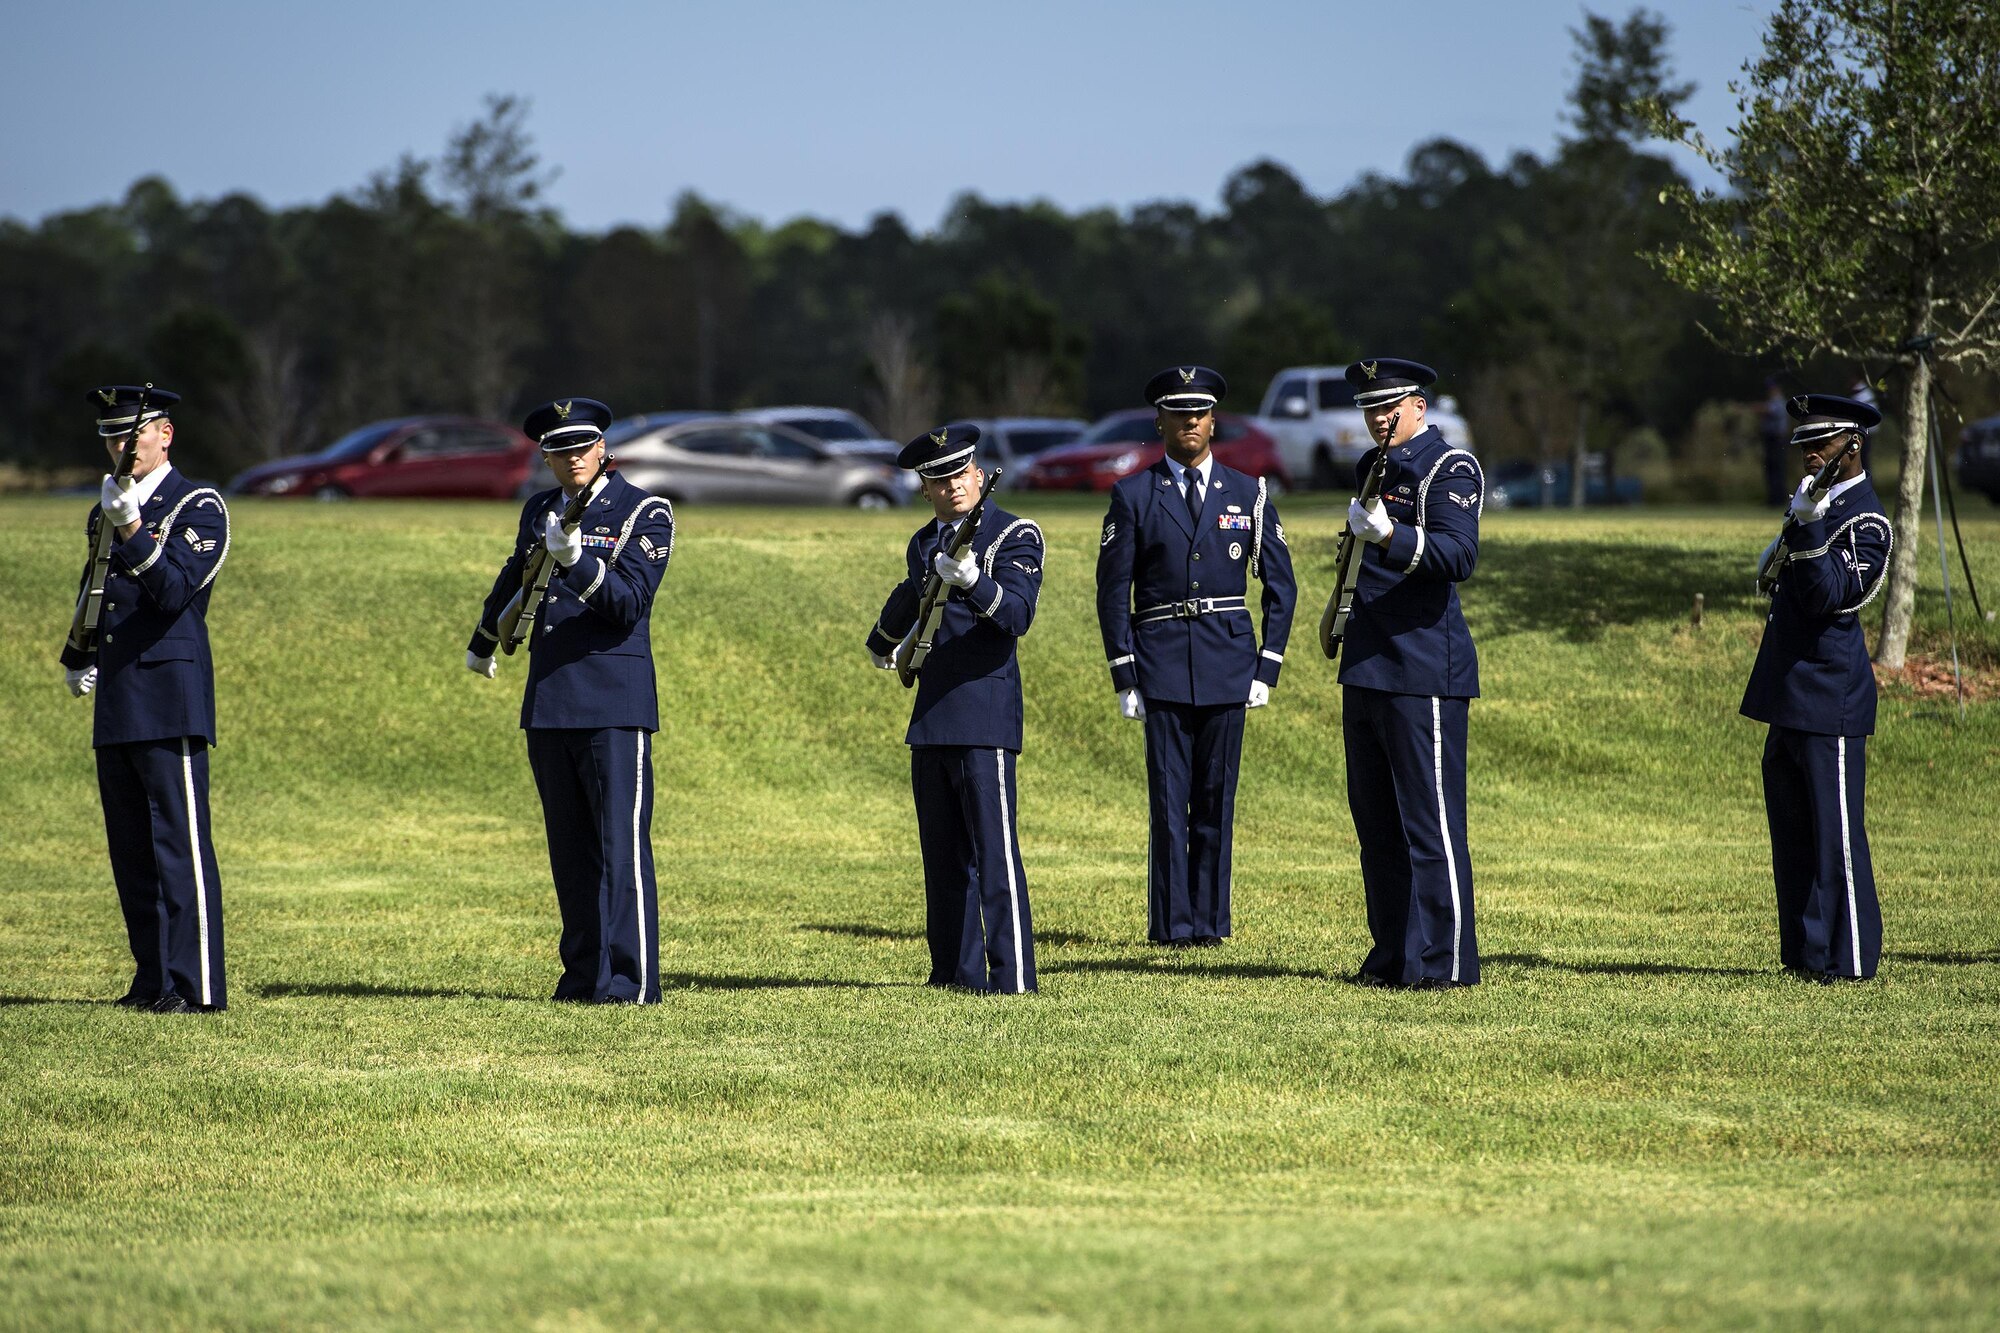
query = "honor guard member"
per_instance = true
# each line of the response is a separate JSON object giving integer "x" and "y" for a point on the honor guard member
{"x": 155, "y": 713}
{"x": 1813, "y": 685}
{"x": 965, "y": 726}
{"x": 591, "y": 705}
{"x": 1180, "y": 543}
{"x": 1409, "y": 675}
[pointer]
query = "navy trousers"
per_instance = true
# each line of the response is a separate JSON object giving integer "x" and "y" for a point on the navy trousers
{"x": 975, "y": 888}
{"x": 155, "y": 797}
{"x": 597, "y": 804}
{"x": 1406, "y": 789}
{"x": 1814, "y": 790}
{"x": 1192, "y": 754}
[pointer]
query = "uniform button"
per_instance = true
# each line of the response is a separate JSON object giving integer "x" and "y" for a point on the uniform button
{"x": 1194, "y": 585}
{"x": 1197, "y": 555}
{"x": 107, "y": 638}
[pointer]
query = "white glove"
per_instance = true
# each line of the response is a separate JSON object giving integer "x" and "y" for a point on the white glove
{"x": 120, "y": 509}
{"x": 480, "y": 666}
{"x": 81, "y": 682}
{"x": 958, "y": 573}
{"x": 1260, "y": 694}
{"x": 1130, "y": 706}
{"x": 883, "y": 661}
{"x": 566, "y": 547}
{"x": 1371, "y": 524}
{"x": 1803, "y": 509}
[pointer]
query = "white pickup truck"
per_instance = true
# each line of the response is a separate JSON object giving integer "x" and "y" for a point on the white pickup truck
{"x": 1310, "y": 411}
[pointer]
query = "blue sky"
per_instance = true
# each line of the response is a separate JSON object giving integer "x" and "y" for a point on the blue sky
{"x": 779, "y": 109}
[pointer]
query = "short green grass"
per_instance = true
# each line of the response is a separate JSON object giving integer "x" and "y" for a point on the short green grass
{"x": 1638, "y": 1121}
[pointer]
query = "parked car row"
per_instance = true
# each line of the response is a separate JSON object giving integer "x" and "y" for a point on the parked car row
{"x": 1308, "y": 433}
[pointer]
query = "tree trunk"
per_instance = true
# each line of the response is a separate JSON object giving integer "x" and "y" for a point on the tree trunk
{"x": 1901, "y": 601}
{"x": 1577, "y": 453}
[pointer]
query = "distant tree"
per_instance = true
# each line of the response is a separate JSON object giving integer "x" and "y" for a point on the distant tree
{"x": 1284, "y": 331}
{"x": 1002, "y": 347}
{"x": 903, "y": 397}
{"x": 490, "y": 168}
{"x": 1863, "y": 218}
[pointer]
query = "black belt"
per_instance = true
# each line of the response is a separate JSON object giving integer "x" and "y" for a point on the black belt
{"x": 1188, "y": 610}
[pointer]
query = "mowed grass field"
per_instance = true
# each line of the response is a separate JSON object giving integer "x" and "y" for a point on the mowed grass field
{"x": 1637, "y": 1121}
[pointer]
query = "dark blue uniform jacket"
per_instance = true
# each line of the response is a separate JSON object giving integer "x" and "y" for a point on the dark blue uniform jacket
{"x": 969, "y": 691}
{"x": 155, "y": 679}
{"x": 1152, "y": 555}
{"x": 1407, "y": 634}
{"x": 1812, "y": 671}
{"x": 590, "y": 663}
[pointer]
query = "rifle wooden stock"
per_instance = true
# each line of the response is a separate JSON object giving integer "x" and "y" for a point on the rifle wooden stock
{"x": 90, "y": 605}
{"x": 1823, "y": 481}
{"x": 518, "y": 620}
{"x": 1347, "y": 564}
{"x": 916, "y": 646}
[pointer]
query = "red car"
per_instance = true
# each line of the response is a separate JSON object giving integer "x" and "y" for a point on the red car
{"x": 452, "y": 458}
{"x": 1125, "y": 442}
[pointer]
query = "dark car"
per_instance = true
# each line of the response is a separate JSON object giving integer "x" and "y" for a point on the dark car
{"x": 1126, "y": 442}
{"x": 456, "y": 458}
{"x": 1521, "y": 485}
{"x": 1979, "y": 458}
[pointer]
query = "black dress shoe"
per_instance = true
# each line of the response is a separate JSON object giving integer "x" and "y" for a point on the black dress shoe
{"x": 615, "y": 999}
{"x": 132, "y": 999}
{"x": 1182, "y": 943}
{"x": 1438, "y": 983}
{"x": 171, "y": 1004}
{"x": 1208, "y": 941}
{"x": 1372, "y": 982}
{"x": 1832, "y": 978}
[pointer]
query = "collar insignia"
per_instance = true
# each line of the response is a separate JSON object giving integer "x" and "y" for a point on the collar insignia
{"x": 1187, "y": 375}
{"x": 1369, "y": 368}
{"x": 564, "y": 409}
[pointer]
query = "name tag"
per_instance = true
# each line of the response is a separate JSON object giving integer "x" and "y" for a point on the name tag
{"x": 1233, "y": 522}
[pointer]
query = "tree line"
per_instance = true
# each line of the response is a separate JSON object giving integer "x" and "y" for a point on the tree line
{"x": 446, "y": 284}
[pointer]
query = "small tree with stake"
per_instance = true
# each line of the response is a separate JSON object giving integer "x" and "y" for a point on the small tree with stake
{"x": 1863, "y": 220}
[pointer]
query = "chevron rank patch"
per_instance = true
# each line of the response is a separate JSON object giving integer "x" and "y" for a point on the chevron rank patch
{"x": 1110, "y": 531}
{"x": 1462, "y": 501}
{"x": 653, "y": 550}
{"x": 202, "y": 545}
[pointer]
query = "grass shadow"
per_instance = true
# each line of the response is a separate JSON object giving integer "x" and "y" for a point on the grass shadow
{"x": 1534, "y": 960}
{"x": 669, "y": 981}
{"x": 1187, "y": 965}
{"x": 1577, "y": 590}
{"x": 1990, "y": 957}
{"x": 868, "y": 931}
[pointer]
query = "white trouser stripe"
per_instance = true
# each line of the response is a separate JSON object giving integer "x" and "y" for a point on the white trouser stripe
{"x": 1444, "y": 828}
{"x": 638, "y": 863}
{"x": 200, "y": 876}
{"x": 1847, "y": 858}
{"x": 1013, "y": 889}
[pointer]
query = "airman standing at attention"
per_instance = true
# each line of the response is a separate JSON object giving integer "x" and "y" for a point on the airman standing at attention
{"x": 148, "y": 662}
{"x": 1815, "y": 687}
{"x": 599, "y": 545}
{"x": 1180, "y": 543}
{"x": 966, "y": 723}
{"x": 1409, "y": 674}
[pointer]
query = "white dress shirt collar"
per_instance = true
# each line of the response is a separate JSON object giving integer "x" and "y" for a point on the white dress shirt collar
{"x": 145, "y": 488}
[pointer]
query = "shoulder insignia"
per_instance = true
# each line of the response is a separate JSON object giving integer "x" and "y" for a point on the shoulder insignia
{"x": 1463, "y": 465}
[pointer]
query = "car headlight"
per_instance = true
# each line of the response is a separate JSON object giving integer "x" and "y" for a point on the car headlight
{"x": 279, "y": 485}
{"x": 1124, "y": 462}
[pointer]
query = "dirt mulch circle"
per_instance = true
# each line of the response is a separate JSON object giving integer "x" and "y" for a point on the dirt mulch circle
{"x": 1927, "y": 677}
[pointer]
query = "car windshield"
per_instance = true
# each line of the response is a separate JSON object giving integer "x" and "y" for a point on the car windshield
{"x": 1028, "y": 442}
{"x": 826, "y": 428}
{"x": 358, "y": 442}
{"x": 1125, "y": 428}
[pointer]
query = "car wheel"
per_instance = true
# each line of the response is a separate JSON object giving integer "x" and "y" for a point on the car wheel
{"x": 872, "y": 500}
{"x": 1325, "y": 476}
{"x": 331, "y": 492}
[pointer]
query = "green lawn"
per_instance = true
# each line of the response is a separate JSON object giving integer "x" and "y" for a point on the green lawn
{"x": 1637, "y": 1121}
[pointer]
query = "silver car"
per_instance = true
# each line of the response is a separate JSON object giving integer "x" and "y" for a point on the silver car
{"x": 728, "y": 460}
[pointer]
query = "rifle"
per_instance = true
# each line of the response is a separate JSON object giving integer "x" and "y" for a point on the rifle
{"x": 90, "y": 603}
{"x": 1347, "y": 564}
{"x": 519, "y": 618}
{"x": 1822, "y": 482}
{"x": 912, "y": 651}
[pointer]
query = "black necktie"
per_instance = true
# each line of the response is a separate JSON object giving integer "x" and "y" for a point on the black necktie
{"x": 1194, "y": 495}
